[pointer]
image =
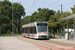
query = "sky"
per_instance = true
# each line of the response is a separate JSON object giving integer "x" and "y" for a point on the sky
{"x": 32, "y": 5}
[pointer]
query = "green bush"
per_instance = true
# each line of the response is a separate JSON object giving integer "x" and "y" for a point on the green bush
{"x": 50, "y": 36}
{"x": 62, "y": 34}
{"x": 8, "y": 31}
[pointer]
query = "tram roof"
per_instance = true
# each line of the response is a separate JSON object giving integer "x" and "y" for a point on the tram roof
{"x": 68, "y": 17}
{"x": 33, "y": 24}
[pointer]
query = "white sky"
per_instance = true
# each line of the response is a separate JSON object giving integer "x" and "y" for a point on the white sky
{"x": 32, "y": 5}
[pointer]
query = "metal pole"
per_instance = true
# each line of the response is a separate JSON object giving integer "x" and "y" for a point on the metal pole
{"x": 74, "y": 30}
{"x": 67, "y": 30}
{"x": 12, "y": 16}
{"x": 60, "y": 22}
{"x": 61, "y": 9}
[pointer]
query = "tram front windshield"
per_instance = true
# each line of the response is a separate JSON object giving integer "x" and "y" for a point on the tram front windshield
{"x": 42, "y": 27}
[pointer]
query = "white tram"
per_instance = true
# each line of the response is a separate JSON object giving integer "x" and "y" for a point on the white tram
{"x": 37, "y": 30}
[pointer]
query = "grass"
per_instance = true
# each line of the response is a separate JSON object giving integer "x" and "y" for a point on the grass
{"x": 8, "y": 34}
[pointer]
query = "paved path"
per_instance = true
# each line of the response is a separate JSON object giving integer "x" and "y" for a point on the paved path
{"x": 64, "y": 41}
{"x": 11, "y": 43}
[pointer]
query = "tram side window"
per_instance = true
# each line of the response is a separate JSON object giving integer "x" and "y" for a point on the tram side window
{"x": 34, "y": 30}
{"x": 22, "y": 30}
{"x": 26, "y": 30}
{"x": 30, "y": 30}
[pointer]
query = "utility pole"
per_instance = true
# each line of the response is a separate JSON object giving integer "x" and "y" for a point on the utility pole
{"x": 61, "y": 9}
{"x": 60, "y": 23}
{"x": 12, "y": 16}
{"x": 67, "y": 31}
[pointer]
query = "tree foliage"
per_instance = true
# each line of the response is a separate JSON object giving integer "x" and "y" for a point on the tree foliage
{"x": 6, "y": 14}
{"x": 54, "y": 21}
{"x": 18, "y": 12}
{"x": 73, "y": 9}
{"x": 41, "y": 15}
{"x": 65, "y": 14}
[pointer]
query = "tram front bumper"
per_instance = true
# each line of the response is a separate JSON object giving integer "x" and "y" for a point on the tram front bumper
{"x": 42, "y": 37}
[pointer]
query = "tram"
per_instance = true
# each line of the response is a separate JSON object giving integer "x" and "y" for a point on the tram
{"x": 36, "y": 30}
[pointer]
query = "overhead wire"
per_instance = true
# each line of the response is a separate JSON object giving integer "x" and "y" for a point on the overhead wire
{"x": 42, "y": 2}
{"x": 26, "y": 2}
{"x": 30, "y": 6}
{"x": 53, "y": 3}
{"x": 33, "y": 5}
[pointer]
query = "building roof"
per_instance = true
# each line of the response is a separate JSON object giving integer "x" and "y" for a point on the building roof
{"x": 68, "y": 17}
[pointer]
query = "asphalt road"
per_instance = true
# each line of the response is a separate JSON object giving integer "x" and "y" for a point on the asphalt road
{"x": 12, "y": 43}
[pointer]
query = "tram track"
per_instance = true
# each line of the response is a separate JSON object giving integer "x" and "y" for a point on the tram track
{"x": 49, "y": 45}
{"x": 58, "y": 43}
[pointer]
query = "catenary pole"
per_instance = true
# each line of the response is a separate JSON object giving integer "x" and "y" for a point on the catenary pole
{"x": 60, "y": 22}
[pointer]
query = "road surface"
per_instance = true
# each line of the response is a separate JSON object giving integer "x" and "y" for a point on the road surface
{"x": 12, "y": 43}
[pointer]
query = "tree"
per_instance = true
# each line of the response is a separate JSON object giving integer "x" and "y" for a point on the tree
{"x": 64, "y": 22}
{"x": 18, "y": 11}
{"x": 73, "y": 10}
{"x": 39, "y": 9}
{"x": 54, "y": 21}
{"x": 41, "y": 15}
{"x": 6, "y": 14}
{"x": 44, "y": 14}
{"x": 32, "y": 18}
